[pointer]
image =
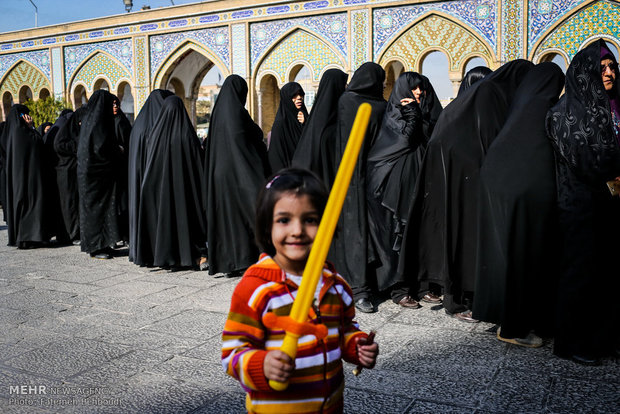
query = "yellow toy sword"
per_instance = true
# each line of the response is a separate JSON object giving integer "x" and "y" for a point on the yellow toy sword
{"x": 296, "y": 323}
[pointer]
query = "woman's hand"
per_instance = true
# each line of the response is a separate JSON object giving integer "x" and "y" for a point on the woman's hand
{"x": 406, "y": 101}
{"x": 300, "y": 117}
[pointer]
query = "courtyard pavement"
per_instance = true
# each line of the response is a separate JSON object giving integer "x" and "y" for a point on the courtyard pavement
{"x": 81, "y": 335}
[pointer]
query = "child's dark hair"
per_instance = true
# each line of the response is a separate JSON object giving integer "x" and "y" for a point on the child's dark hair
{"x": 289, "y": 180}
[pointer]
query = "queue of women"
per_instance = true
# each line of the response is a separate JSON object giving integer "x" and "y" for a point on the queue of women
{"x": 496, "y": 208}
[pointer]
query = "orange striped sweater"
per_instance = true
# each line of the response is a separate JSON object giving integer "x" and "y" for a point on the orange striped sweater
{"x": 317, "y": 383}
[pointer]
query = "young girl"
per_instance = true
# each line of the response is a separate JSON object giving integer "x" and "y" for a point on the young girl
{"x": 288, "y": 212}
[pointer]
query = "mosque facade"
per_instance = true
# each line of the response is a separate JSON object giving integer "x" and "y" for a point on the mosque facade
{"x": 269, "y": 43}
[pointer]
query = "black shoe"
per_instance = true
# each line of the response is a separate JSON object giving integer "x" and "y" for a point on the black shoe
{"x": 584, "y": 359}
{"x": 76, "y": 242}
{"x": 409, "y": 302}
{"x": 101, "y": 254}
{"x": 364, "y": 305}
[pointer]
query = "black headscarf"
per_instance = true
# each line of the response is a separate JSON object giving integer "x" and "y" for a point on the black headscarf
{"x": 236, "y": 166}
{"x": 473, "y": 76}
{"x": 352, "y": 251}
{"x": 517, "y": 244}
{"x": 171, "y": 227}
{"x": 588, "y": 154}
{"x": 440, "y": 239}
{"x": 100, "y": 160}
{"x": 26, "y": 204}
{"x": 286, "y": 129}
{"x": 65, "y": 146}
{"x": 41, "y": 128}
{"x": 316, "y": 147}
{"x": 138, "y": 142}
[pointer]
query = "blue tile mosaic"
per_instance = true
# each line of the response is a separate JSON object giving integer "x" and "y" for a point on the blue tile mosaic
{"x": 38, "y": 58}
{"x": 148, "y": 27}
{"x": 121, "y": 50}
{"x": 209, "y": 19}
{"x": 278, "y": 9}
{"x": 71, "y": 38}
{"x": 178, "y": 23}
{"x": 316, "y": 5}
{"x": 480, "y": 15}
{"x": 95, "y": 34}
{"x": 545, "y": 13}
{"x": 49, "y": 41}
{"x": 333, "y": 28}
{"x": 242, "y": 14}
{"x": 121, "y": 30}
{"x": 216, "y": 40}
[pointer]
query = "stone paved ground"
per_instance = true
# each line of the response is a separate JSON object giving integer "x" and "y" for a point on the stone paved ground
{"x": 122, "y": 339}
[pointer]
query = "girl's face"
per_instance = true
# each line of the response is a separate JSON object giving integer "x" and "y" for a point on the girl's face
{"x": 417, "y": 93}
{"x": 298, "y": 100}
{"x": 295, "y": 222}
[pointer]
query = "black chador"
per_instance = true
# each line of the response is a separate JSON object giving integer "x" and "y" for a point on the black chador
{"x": 100, "y": 160}
{"x": 286, "y": 128}
{"x": 236, "y": 166}
{"x": 440, "y": 241}
{"x": 3, "y": 139}
{"x": 171, "y": 219}
{"x": 317, "y": 144}
{"x": 351, "y": 250}
{"x": 122, "y": 129}
{"x": 26, "y": 204}
{"x": 517, "y": 240}
{"x": 136, "y": 154}
{"x": 66, "y": 145}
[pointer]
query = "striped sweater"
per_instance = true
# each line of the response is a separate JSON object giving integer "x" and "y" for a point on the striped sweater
{"x": 317, "y": 382}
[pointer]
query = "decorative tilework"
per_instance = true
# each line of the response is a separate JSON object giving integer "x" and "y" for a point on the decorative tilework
{"x": 479, "y": 14}
{"x": 39, "y": 59}
{"x": 141, "y": 72}
{"x": 359, "y": 53}
{"x": 101, "y": 64}
{"x": 24, "y": 73}
{"x": 240, "y": 50}
{"x": 76, "y": 55}
{"x": 57, "y": 78}
{"x": 512, "y": 24}
{"x": 599, "y": 19}
{"x": 440, "y": 33}
{"x": 333, "y": 28}
{"x": 293, "y": 49}
{"x": 544, "y": 14}
{"x": 216, "y": 40}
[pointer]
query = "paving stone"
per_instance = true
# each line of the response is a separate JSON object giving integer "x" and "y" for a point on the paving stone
{"x": 132, "y": 289}
{"x": 32, "y": 298}
{"x": 573, "y": 396}
{"x": 210, "y": 351}
{"x": 361, "y": 401}
{"x": 192, "y": 323}
{"x": 517, "y": 391}
{"x": 227, "y": 402}
{"x": 60, "y": 286}
{"x": 170, "y": 294}
{"x": 196, "y": 370}
{"x": 427, "y": 407}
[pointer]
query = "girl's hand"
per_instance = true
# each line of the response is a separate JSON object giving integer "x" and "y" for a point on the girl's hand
{"x": 28, "y": 120}
{"x": 300, "y": 117}
{"x": 367, "y": 354}
{"x": 278, "y": 366}
{"x": 406, "y": 101}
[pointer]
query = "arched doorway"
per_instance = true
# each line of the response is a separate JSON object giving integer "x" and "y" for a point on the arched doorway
{"x": 268, "y": 102}
{"x": 392, "y": 71}
{"x": 44, "y": 93}
{"x": 7, "y": 103}
{"x": 435, "y": 66}
{"x": 209, "y": 89}
{"x": 25, "y": 94}
{"x": 79, "y": 96}
{"x": 101, "y": 84}
{"x": 123, "y": 92}
{"x": 474, "y": 62}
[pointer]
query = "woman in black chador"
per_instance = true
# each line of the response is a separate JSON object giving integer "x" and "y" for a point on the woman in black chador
{"x": 3, "y": 139}
{"x": 122, "y": 128}
{"x": 287, "y": 126}
{"x": 236, "y": 166}
{"x": 66, "y": 145}
{"x": 584, "y": 131}
{"x": 172, "y": 230}
{"x": 518, "y": 217}
{"x": 138, "y": 143}
{"x": 317, "y": 144}
{"x": 352, "y": 250}
{"x": 26, "y": 204}
{"x": 472, "y": 76}
{"x": 99, "y": 170}
{"x": 440, "y": 242}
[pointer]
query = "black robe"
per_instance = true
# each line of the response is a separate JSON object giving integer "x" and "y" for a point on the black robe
{"x": 316, "y": 147}
{"x": 26, "y": 204}
{"x": 3, "y": 139}
{"x": 138, "y": 142}
{"x": 65, "y": 146}
{"x": 171, "y": 219}
{"x": 236, "y": 166}
{"x": 393, "y": 165}
{"x": 517, "y": 258}
{"x": 472, "y": 76}
{"x": 98, "y": 171}
{"x": 439, "y": 245}
{"x": 588, "y": 155}
{"x": 286, "y": 129}
{"x": 122, "y": 128}
{"x": 352, "y": 251}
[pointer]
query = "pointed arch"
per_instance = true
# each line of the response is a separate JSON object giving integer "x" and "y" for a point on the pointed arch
{"x": 23, "y": 73}
{"x": 593, "y": 20}
{"x": 91, "y": 69}
{"x": 436, "y": 31}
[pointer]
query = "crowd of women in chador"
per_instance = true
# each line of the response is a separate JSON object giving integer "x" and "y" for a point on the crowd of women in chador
{"x": 498, "y": 207}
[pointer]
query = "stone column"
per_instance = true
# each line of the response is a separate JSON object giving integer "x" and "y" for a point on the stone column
{"x": 456, "y": 78}
{"x": 259, "y": 95}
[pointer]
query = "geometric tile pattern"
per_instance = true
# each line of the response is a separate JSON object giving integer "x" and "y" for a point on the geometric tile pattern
{"x": 544, "y": 14}
{"x": 293, "y": 49}
{"x": 75, "y": 56}
{"x": 239, "y": 50}
{"x": 440, "y": 33}
{"x": 512, "y": 30}
{"x": 39, "y": 59}
{"x": 98, "y": 65}
{"x": 215, "y": 40}
{"x": 477, "y": 15}
{"x": 141, "y": 73}
{"x": 332, "y": 28}
{"x": 599, "y": 18}
{"x": 359, "y": 38}
{"x": 57, "y": 78}
{"x": 24, "y": 73}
